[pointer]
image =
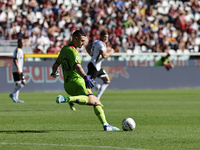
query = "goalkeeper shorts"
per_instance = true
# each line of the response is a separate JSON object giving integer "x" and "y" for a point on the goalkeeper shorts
{"x": 77, "y": 87}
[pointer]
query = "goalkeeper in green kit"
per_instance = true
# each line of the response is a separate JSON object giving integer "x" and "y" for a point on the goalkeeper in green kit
{"x": 76, "y": 82}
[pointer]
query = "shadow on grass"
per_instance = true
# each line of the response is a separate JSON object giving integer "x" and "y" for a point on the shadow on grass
{"x": 23, "y": 131}
{"x": 19, "y": 110}
{"x": 41, "y": 131}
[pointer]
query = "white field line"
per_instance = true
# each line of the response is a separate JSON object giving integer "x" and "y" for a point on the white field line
{"x": 66, "y": 145}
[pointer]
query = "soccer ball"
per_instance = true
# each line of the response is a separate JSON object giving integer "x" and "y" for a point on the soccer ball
{"x": 128, "y": 124}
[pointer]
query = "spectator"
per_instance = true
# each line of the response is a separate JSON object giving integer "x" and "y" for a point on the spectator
{"x": 54, "y": 48}
{"x": 51, "y": 49}
{"x": 2, "y": 18}
{"x": 33, "y": 5}
{"x": 122, "y": 19}
{"x": 53, "y": 30}
{"x": 172, "y": 14}
{"x": 181, "y": 22}
{"x": 31, "y": 16}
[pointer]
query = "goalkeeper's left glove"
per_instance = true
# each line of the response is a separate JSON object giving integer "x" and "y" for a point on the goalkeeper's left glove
{"x": 89, "y": 83}
{"x": 55, "y": 75}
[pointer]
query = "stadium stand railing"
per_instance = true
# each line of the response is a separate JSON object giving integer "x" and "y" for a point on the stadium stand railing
{"x": 7, "y": 48}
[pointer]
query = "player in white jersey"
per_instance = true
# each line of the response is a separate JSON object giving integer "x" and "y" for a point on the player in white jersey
{"x": 99, "y": 52}
{"x": 17, "y": 69}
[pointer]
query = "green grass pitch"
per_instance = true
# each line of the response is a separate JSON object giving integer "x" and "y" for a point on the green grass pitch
{"x": 165, "y": 120}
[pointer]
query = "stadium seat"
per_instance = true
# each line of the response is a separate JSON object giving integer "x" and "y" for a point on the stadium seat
{"x": 196, "y": 49}
{"x": 39, "y": 15}
{"x": 149, "y": 57}
{"x": 129, "y": 51}
{"x": 127, "y": 58}
{"x": 166, "y": 10}
{"x": 18, "y": 29}
{"x": 163, "y": 10}
{"x": 120, "y": 58}
{"x": 174, "y": 3}
{"x": 135, "y": 29}
{"x": 11, "y": 15}
{"x": 18, "y": 2}
{"x": 149, "y": 50}
{"x": 124, "y": 58}
{"x": 29, "y": 59}
{"x": 180, "y": 57}
{"x": 137, "y": 50}
{"x": 197, "y": 41}
{"x": 152, "y": 42}
{"x": 77, "y": 3}
{"x": 142, "y": 57}
{"x": 172, "y": 57}
{"x": 14, "y": 7}
{"x": 165, "y": 3}
{"x": 186, "y": 51}
{"x": 186, "y": 57}
{"x": 59, "y": 2}
{"x": 79, "y": 14}
{"x": 160, "y": 9}
{"x": 67, "y": 3}
{"x": 144, "y": 48}
{"x": 179, "y": 51}
{"x": 37, "y": 59}
{"x": 171, "y": 51}
{"x": 197, "y": 16}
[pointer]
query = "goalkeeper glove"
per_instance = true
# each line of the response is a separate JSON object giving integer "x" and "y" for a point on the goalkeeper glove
{"x": 55, "y": 75}
{"x": 89, "y": 83}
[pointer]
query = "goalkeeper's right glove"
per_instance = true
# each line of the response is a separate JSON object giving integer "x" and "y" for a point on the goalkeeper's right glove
{"x": 89, "y": 83}
{"x": 55, "y": 75}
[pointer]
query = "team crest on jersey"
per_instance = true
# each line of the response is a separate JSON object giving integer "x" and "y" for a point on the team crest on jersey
{"x": 77, "y": 59}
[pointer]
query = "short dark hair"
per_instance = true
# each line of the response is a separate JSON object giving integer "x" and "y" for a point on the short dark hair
{"x": 78, "y": 33}
{"x": 103, "y": 33}
{"x": 168, "y": 55}
{"x": 19, "y": 43}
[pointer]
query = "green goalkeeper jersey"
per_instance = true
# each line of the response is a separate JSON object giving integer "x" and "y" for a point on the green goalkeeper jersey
{"x": 68, "y": 58}
{"x": 74, "y": 84}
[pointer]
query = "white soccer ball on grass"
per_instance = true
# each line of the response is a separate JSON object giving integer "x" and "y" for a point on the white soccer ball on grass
{"x": 128, "y": 124}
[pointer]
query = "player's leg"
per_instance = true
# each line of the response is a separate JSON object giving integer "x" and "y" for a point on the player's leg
{"x": 106, "y": 81}
{"x": 74, "y": 88}
{"x": 98, "y": 110}
{"x": 13, "y": 94}
{"x": 85, "y": 97}
{"x": 92, "y": 71}
{"x": 78, "y": 92}
{"x": 81, "y": 99}
{"x": 89, "y": 100}
{"x": 19, "y": 85}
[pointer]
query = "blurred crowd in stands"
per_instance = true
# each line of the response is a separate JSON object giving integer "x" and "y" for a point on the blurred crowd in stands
{"x": 135, "y": 25}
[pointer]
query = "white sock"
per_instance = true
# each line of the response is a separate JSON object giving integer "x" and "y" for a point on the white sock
{"x": 102, "y": 89}
{"x": 17, "y": 88}
{"x": 17, "y": 95}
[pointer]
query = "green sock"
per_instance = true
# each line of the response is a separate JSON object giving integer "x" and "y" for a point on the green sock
{"x": 67, "y": 99}
{"x": 100, "y": 114}
{"x": 82, "y": 99}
